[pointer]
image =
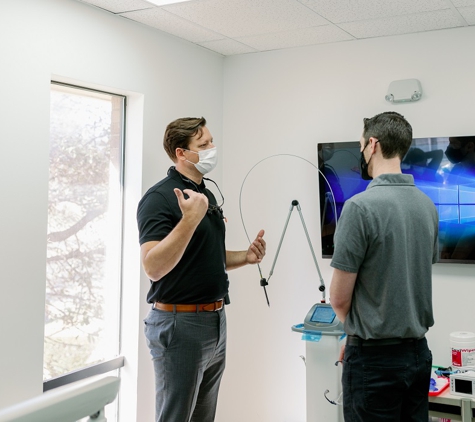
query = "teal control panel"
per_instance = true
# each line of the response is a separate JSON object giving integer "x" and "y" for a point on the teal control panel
{"x": 322, "y": 317}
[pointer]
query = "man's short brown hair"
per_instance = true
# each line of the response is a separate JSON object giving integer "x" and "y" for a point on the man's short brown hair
{"x": 179, "y": 133}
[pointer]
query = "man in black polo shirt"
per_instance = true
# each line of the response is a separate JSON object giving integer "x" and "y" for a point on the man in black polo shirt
{"x": 182, "y": 232}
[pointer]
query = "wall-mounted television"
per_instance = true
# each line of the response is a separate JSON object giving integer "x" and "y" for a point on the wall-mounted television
{"x": 450, "y": 183}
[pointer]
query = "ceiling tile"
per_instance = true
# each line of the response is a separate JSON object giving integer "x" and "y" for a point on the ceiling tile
{"x": 338, "y": 11}
{"x": 295, "y": 38}
{"x": 228, "y": 47}
{"x": 419, "y": 22}
{"x": 244, "y": 26}
{"x": 468, "y": 13}
{"x": 463, "y": 3}
{"x": 172, "y": 24}
{"x": 119, "y": 6}
{"x": 238, "y": 18}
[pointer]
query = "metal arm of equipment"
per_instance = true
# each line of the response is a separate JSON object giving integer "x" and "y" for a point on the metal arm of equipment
{"x": 328, "y": 199}
{"x": 294, "y": 204}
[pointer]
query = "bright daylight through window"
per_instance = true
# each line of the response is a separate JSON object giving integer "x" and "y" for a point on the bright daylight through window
{"x": 84, "y": 229}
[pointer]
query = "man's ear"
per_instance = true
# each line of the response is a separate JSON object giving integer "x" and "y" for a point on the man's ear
{"x": 372, "y": 142}
{"x": 180, "y": 154}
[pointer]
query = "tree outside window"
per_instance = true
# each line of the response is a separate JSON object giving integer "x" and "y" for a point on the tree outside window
{"x": 84, "y": 239}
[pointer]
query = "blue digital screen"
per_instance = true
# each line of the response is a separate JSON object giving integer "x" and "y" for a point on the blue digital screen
{"x": 323, "y": 314}
{"x": 451, "y": 186}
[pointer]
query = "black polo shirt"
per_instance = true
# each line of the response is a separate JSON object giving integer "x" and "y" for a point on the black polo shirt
{"x": 200, "y": 276}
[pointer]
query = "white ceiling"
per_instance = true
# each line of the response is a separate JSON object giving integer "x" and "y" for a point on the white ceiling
{"x": 247, "y": 26}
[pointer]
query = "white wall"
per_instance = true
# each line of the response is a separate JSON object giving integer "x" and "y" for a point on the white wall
{"x": 165, "y": 78}
{"x": 274, "y": 103}
{"x": 285, "y": 102}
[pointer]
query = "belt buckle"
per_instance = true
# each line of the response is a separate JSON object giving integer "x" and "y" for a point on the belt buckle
{"x": 214, "y": 304}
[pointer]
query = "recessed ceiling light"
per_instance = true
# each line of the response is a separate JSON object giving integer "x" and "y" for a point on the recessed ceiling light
{"x": 164, "y": 2}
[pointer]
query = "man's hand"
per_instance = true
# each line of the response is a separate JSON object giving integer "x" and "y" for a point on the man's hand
{"x": 160, "y": 257}
{"x": 257, "y": 249}
{"x": 194, "y": 208}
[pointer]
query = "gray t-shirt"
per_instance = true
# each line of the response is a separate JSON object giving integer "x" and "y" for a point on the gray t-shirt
{"x": 388, "y": 234}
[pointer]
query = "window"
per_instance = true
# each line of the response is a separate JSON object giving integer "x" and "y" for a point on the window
{"x": 84, "y": 239}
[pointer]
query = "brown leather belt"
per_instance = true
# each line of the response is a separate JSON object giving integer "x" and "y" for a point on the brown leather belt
{"x": 206, "y": 307}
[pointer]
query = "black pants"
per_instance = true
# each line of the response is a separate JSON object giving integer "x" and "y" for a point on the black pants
{"x": 387, "y": 383}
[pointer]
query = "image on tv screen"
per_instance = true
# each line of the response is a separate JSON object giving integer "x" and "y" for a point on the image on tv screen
{"x": 443, "y": 168}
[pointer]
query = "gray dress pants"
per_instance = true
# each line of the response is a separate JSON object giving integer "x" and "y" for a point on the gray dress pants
{"x": 189, "y": 352}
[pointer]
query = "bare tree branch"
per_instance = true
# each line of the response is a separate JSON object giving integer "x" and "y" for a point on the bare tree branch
{"x": 65, "y": 234}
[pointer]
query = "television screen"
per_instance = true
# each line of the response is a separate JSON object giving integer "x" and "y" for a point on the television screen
{"x": 443, "y": 168}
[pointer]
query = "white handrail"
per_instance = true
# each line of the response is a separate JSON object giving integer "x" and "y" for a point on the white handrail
{"x": 68, "y": 403}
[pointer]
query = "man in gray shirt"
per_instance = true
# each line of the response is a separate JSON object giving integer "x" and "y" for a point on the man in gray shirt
{"x": 385, "y": 244}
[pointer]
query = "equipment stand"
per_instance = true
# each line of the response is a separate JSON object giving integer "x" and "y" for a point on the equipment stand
{"x": 294, "y": 204}
{"x": 322, "y": 375}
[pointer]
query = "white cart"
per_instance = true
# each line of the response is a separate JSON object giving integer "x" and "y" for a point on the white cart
{"x": 323, "y": 334}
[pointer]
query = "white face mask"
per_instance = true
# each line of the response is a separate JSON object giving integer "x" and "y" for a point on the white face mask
{"x": 208, "y": 160}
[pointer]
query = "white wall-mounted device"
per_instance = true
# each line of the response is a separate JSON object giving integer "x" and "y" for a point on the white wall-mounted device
{"x": 404, "y": 91}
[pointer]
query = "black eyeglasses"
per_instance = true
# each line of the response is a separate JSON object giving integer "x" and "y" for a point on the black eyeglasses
{"x": 217, "y": 209}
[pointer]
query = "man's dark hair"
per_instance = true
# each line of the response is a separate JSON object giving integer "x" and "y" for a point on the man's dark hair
{"x": 179, "y": 132}
{"x": 393, "y": 132}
